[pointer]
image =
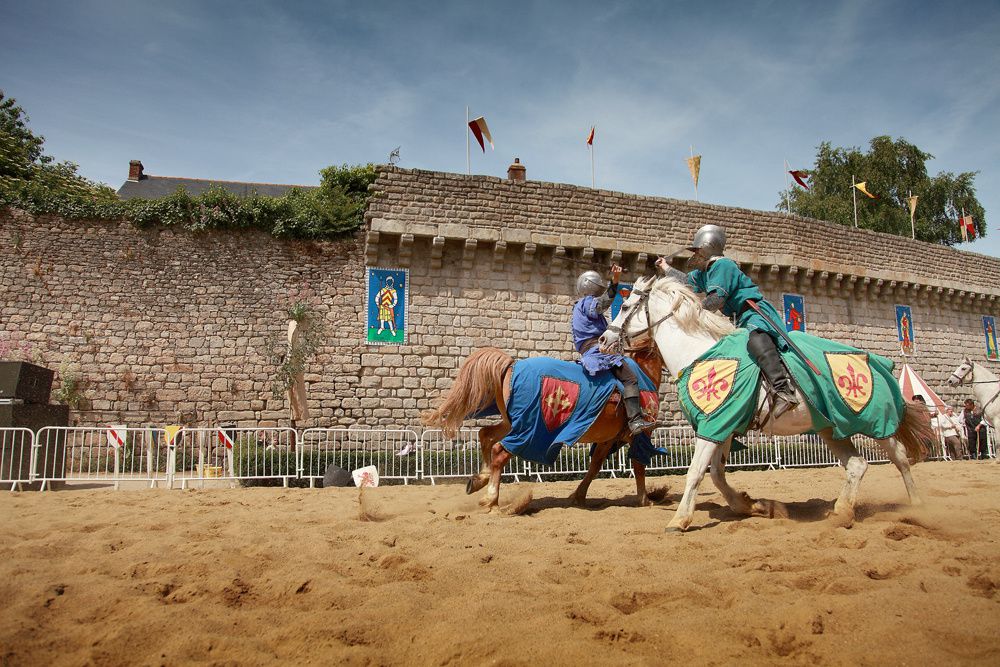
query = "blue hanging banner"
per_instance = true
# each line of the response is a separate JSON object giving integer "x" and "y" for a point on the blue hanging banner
{"x": 990, "y": 330}
{"x": 795, "y": 312}
{"x": 387, "y": 298}
{"x": 904, "y": 330}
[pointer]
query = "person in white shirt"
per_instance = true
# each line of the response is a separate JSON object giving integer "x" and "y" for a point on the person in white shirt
{"x": 951, "y": 428}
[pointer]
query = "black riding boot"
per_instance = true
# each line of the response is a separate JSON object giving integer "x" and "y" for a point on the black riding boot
{"x": 633, "y": 411}
{"x": 765, "y": 352}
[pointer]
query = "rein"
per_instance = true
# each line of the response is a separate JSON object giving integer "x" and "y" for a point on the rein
{"x": 624, "y": 339}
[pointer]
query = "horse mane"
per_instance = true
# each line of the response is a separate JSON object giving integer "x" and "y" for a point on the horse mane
{"x": 688, "y": 313}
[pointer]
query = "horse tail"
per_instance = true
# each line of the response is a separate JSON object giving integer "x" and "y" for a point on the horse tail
{"x": 477, "y": 386}
{"x": 915, "y": 432}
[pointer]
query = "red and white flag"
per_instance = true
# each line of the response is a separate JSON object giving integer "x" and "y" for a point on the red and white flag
{"x": 590, "y": 137}
{"x": 116, "y": 435}
{"x": 968, "y": 228}
{"x": 800, "y": 177}
{"x": 225, "y": 439}
{"x": 480, "y": 130}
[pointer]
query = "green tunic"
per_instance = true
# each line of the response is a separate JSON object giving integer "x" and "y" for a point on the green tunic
{"x": 724, "y": 277}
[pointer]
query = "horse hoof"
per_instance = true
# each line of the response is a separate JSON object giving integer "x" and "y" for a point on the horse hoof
{"x": 674, "y": 529}
{"x": 473, "y": 485}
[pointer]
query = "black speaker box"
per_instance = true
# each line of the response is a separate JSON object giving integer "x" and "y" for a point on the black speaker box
{"x": 15, "y": 453}
{"x": 28, "y": 382}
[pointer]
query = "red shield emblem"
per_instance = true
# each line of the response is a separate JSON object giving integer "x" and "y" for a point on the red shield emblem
{"x": 558, "y": 400}
{"x": 650, "y": 404}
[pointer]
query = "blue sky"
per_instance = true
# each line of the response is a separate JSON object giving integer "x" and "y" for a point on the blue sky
{"x": 274, "y": 91}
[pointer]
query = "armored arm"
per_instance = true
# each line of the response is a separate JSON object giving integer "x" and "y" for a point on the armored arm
{"x": 604, "y": 301}
{"x": 713, "y": 301}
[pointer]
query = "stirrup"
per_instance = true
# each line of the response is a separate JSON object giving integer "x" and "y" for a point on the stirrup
{"x": 638, "y": 424}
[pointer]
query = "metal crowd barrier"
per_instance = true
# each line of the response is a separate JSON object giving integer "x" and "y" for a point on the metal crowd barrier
{"x": 98, "y": 454}
{"x": 231, "y": 453}
{"x": 392, "y": 452}
{"x": 16, "y": 452}
{"x": 149, "y": 455}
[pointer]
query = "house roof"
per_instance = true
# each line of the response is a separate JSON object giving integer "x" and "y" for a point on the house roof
{"x": 151, "y": 187}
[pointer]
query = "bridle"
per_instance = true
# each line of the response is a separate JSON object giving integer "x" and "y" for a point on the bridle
{"x": 960, "y": 379}
{"x": 624, "y": 342}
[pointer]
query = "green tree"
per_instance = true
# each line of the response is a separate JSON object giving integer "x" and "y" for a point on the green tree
{"x": 893, "y": 169}
{"x": 26, "y": 171}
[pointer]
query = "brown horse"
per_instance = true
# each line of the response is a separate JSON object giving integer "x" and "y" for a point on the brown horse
{"x": 484, "y": 379}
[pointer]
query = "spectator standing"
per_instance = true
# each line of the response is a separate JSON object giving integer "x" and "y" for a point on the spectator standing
{"x": 975, "y": 430}
{"x": 952, "y": 431}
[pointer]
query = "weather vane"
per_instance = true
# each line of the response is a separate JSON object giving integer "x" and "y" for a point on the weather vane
{"x": 394, "y": 156}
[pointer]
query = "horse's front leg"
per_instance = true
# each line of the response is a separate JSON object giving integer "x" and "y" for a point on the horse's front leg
{"x": 491, "y": 499}
{"x": 488, "y": 436}
{"x": 601, "y": 451}
{"x": 639, "y": 470}
{"x": 741, "y": 503}
{"x": 704, "y": 450}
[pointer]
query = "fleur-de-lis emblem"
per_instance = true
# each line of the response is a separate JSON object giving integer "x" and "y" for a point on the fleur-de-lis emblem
{"x": 853, "y": 383}
{"x": 711, "y": 382}
{"x": 852, "y": 376}
{"x": 710, "y": 387}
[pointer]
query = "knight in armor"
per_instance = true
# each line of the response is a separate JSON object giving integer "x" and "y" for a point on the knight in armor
{"x": 728, "y": 290}
{"x": 588, "y": 324}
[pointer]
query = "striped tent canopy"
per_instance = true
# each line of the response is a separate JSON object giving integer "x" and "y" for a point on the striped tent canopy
{"x": 912, "y": 384}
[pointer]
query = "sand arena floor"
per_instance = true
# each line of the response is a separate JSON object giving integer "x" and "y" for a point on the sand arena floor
{"x": 253, "y": 576}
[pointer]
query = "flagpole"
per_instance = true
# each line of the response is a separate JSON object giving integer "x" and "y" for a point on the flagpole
{"x": 854, "y": 193}
{"x": 788, "y": 208}
{"x": 468, "y": 158}
{"x": 965, "y": 231}
{"x": 695, "y": 180}
{"x": 593, "y": 181}
{"x": 913, "y": 227}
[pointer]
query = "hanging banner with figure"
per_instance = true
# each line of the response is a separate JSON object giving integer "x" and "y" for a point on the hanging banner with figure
{"x": 904, "y": 329}
{"x": 795, "y": 312}
{"x": 624, "y": 289}
{"x": 387, "y": 298}
{"x": 990, "y": 329}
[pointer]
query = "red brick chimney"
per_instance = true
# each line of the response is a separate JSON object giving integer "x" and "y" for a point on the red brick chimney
{"x": 516, "y": 171}
{"x": 135, "y": 170}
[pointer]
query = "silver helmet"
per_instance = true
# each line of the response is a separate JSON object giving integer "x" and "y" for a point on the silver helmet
{"x": 709, "y": 241}
{"x": 590, "y": 283}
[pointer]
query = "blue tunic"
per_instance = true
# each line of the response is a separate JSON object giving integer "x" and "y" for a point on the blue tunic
{"x": 588, "y": 323}
{"x": 724, "y": 277}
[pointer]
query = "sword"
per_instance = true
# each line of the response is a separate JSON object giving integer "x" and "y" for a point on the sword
{"x": 784, "y": 336}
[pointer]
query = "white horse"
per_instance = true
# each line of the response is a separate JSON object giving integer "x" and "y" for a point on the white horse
{"x": 683, "y": 331}
{"x": 985, "y": 387}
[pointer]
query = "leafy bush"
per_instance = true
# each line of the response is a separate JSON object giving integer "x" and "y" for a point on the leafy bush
{"x": 34, "y": 182}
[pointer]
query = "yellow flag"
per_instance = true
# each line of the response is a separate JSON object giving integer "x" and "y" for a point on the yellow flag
{"x": 861, "y": 186}
{"x": 913, "y": 205}
{"x": 694, "y": 166}
{"x": 171, "y": 432}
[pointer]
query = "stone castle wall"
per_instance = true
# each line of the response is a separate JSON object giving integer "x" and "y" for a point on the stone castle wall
{"x": 172, "y": 326}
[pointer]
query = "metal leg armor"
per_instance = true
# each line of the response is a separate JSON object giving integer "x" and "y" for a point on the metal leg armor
{"x": 633, "y": 405}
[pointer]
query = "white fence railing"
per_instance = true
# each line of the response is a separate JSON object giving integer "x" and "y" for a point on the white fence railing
{"x": 393, "y": 452}
{"x": 118, "y": 454}
{"x": 16, "y": 451}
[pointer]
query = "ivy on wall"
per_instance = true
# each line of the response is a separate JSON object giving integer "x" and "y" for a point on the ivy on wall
{"x": 34, "y": 182}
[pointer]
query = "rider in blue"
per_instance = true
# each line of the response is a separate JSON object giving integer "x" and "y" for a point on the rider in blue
{"x": 588, "y": 325}
{"x": 728, "y": 289}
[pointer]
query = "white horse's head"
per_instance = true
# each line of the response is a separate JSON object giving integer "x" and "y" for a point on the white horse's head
{"x": 962, "y": 373}
{"x": 652, "y": 302}
{"x": 629, "y": 326}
